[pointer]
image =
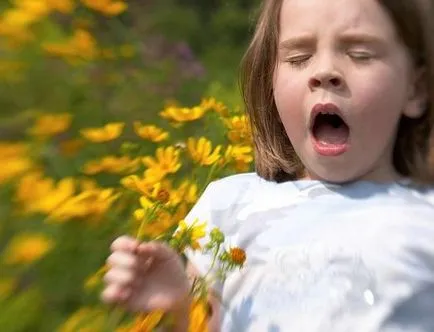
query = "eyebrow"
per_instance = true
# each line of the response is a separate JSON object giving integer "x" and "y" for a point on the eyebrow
{"x": 347, "y": 38}
{"x": 361, "y": 38}
{"x": 294, "y": 42}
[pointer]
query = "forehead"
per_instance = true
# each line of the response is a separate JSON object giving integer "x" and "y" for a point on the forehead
{"x": 315, "y": 16}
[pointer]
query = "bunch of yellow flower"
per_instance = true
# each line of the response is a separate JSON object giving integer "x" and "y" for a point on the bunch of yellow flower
{"x": 147, "y": 184}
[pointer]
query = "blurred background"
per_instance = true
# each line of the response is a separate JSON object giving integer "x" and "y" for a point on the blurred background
{"x": 101, "y": 102}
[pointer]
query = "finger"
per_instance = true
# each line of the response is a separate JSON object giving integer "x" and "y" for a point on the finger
{"x": 115, "y": 294}
{"x": 124, "y": 243}
{"x": 123, "y": 260}
{"x": 155, "y": 250}
{"x": 144, "y": 264}
{"x": 120, "y": 277}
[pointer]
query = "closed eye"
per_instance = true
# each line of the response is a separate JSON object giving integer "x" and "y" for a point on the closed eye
{"x": 360, "y": 56}
{"x": 298, "y": 60}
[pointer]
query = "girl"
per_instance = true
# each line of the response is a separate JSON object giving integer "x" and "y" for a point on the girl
{"x": 337, "y": 225}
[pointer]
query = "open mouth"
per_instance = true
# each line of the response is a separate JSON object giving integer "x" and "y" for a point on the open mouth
{"x": 329, "y": 130}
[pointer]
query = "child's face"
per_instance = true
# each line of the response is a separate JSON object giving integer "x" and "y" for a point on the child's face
{"x": 342, "y": 57}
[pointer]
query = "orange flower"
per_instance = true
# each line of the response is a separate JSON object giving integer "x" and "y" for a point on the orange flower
{"x": 237, "y": 255}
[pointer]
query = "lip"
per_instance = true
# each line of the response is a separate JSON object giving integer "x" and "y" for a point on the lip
{"x": 324, "y": 108}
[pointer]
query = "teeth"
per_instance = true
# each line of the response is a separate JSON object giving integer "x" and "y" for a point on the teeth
{"x": 327, "y": 113}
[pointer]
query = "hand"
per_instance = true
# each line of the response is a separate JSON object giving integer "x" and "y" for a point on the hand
{"x": 146, "y": 277}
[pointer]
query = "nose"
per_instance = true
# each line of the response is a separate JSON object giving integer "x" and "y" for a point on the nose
{"x": 329, "y": 79}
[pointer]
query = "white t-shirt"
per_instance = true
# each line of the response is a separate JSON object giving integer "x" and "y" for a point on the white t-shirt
{"x": 323, "y": 257}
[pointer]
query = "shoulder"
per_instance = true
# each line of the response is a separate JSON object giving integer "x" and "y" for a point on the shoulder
{"x": 249, "y": 188}
{"x": 234, "y": 181}
{"x": 223, "y": 193}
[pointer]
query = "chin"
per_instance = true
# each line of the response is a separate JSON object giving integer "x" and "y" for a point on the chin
{"x": 335, "y": 175}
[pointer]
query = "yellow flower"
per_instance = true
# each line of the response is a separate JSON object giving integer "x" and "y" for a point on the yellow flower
{"x": 49, "y": 125}
{"x": 186, "y": 192}
{"x": 107, "y": 133}
{"x": 111, "y": 164}
{"x": 81, "y": 46}
{"x": 239, "y": 131}
{"x": 159, "y": 192}
{"x": 13, "y": 167}
{"x": 201, "y": 151}
{"x": 85, "y": 319}
{"x": 154, "y": 175}
{"x": 212, "y": 104}
{"x": 240, "y": 155}
{"x": 151, "y": 133}
{"x": 62, "y": 6}
{"x": 198, "y": 317}
{"x": 31, "y": 187}
{"x": 15, "y": 23}
{"x": 156, "y": 226}
{"x": 144, "y": 322}
{"x": 55, "y": 197}
{"x": 33, "y": 7}
{"x": 181, "y": 211}
{"x": 91, "y": 204}
{"x": 182, "y": 114}
{"x": 133, "y": 182}
{"x": 106, "y": 7}
{"x": 27, "y": 248}
{"x": 41, "y": 195}
{"x": 189, "y": 234}
{"x": 13, "y": 149}
{"x": 15, "y": 160}
{"x": 166, "y": 161}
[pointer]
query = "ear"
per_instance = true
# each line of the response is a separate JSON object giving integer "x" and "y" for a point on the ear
{"x": 418, "y": 96}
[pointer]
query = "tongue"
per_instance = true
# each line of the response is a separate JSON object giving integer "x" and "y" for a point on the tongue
{"x": 325, "y": 133}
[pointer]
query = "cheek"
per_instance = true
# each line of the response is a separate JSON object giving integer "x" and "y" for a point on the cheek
{"x": 288, "y": 96}
{"x": 381, "y": 94}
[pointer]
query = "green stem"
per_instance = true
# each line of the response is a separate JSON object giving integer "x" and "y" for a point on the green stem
{"x": 209, "y": 177}
{"x": 145, "y": 220}
{"x": 214, "y": 259}
{"x": 115, "y": 317}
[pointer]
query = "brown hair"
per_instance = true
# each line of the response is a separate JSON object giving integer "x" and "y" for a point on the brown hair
{"x": 275, "y": 157}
